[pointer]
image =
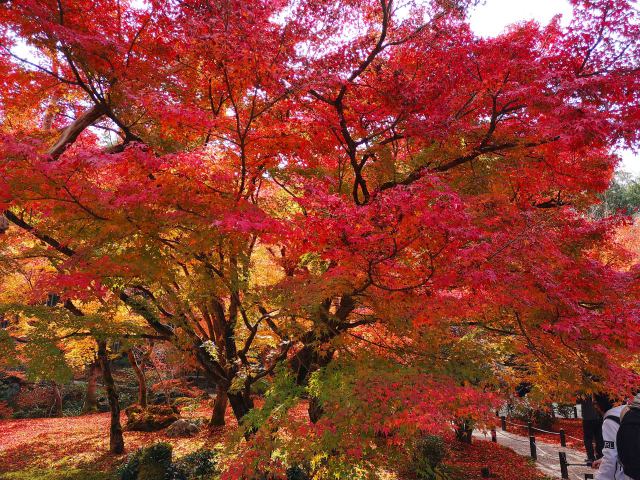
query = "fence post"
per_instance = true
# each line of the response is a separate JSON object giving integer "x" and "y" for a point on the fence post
{"x": 530, "y": 429}
{"x": 494, "y": 435}
{"x": 503, "y": 423}
{"x": 532, "y": 447}
{"x": 563, "y": 438}
{"x": 564, "y": 470}
{"x": 575, "y": 411}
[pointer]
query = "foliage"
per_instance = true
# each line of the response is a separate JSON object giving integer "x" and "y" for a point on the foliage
{"x": 366, "y": 194}
{"x": 565, "y": 410}
{"x": 540, "y": 417}
{"x": 429, "y": 453}
{"x": 622, "y": 196}
{"x": 152, "y": 462}
{"x": 198, "y": 465}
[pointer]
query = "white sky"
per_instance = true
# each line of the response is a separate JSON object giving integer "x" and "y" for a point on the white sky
{"x": 491, "y": 18}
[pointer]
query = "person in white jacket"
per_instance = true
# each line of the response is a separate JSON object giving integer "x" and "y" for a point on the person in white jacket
{"x": 609, "y": 468}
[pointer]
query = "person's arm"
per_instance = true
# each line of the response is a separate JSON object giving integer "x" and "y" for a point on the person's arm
{"x": 609, "y": 462}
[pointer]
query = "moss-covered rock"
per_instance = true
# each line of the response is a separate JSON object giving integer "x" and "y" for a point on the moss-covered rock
{"x": 152, "y": 418}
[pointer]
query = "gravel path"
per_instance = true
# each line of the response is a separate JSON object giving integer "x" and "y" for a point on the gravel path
{"x": 548, "y": 461}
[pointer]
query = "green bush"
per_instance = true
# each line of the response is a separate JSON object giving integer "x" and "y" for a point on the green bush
{"x": 155, "y": 461}
{"x": 199, "y": 465}
{"x": 429, "y": 452}
{"x": 33, "y": 412}
{"x": 150, "y": 463}
{"x": 129, "y": 469}
{"x": 540, "y": 418}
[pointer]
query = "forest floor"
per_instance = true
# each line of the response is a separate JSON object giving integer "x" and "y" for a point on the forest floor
{"x": 82, "y": 443}
{"x": 76, "y": 448}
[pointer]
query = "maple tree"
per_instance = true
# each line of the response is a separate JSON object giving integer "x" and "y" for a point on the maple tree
{"x": 325, "y": 184}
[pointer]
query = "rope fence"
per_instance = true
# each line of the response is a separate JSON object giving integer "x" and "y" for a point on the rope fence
{"x": 535, "y": 449}
{"x": 532, "y": 429}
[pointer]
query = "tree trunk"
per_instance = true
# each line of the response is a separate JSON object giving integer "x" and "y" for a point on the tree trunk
{"x": 240, "y": 404}
{"x": 142, "y": 382}
{"x": 305, "y": 362}
{"x": 315, "y": 410}
{"x": 91, "y": 397}
{"x": 219, "y": 407}
{"x": 56, "y": 411}
{"x": 116, "y": 440}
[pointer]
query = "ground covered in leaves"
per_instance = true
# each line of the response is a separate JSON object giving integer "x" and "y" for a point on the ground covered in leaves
{"x": 76, "y": 448}
{"x": 468, "y": 461}
{"x": 49, "y": 445}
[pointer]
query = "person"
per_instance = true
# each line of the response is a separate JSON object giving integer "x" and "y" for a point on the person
{"x": 609, "y": 467}
{"x": 628, "y": 439}
{"x": 591, "y": 429}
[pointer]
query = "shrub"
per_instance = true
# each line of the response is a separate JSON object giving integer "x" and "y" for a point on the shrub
{"x": 565, "y": 410}
{"x": 429, "y": 452}
{"x": 129, "y": 469}
{"x": 199, "y": 465}
{"x": 34, "y": 412}
{"x": 150, "y": 463}
{"x": 155, "y": 461}
{"x": 540, "y": 418}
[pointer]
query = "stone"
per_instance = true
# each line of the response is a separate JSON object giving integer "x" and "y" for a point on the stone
{"x": 183, "y": 428}
{"x": 150, "y": 419}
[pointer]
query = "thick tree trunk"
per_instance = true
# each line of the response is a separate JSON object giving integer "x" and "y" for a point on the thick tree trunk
{"x": 305, "y": 362}
{"x": 219, "y": 407}
{"x": 142, "y": 381}
{"x": 116, "y": 440}
{"x": 315, "y": 410}
{"x": 91, "y": 397}
{"x": 240, "y": 404}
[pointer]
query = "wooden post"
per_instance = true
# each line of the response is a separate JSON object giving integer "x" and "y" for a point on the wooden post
{"x": 532, "y": 447}
{"x": 575, "y": 411}
{"x": 503, "y": 423}
{"x": 494, "y": 435}
{"x": 564, "y": 468}
{"x": 530, "y": 429}
{"x": 563, "y": 438}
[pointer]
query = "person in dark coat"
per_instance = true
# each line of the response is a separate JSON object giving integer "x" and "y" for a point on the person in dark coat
{"x": 591, "y": 429}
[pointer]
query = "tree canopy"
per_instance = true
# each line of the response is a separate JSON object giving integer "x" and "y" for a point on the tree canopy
{"x": 362, "y": 200}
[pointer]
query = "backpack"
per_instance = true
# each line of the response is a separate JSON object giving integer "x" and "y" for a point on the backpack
{"x": 628, "y": 440}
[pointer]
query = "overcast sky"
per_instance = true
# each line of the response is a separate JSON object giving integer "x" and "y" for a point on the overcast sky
{"x": 493, "y": 16}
